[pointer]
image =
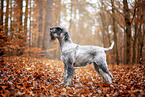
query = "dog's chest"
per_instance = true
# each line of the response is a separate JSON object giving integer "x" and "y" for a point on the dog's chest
{"x": 68, "y": 51}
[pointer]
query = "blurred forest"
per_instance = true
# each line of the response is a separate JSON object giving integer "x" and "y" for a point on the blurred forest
{"x": 24, "y": 27}
{"x": 27, "y": 56}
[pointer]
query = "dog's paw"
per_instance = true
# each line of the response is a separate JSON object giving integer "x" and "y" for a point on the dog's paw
{"x": 67, "y": 84}
{"x": 62, "y": 83}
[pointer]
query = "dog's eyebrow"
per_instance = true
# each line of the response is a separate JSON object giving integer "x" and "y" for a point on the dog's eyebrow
{"x": 58, "y": 27}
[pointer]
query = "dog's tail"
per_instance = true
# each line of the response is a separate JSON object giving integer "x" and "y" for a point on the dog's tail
{"x": 107, "y": 49}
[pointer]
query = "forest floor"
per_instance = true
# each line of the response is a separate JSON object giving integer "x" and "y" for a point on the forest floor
{"x": 25, "y": 76}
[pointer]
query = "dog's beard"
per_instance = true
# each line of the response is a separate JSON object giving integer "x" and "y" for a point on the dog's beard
{"x": 52, "y": 38}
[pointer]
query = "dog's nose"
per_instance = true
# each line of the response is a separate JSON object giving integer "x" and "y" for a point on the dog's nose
{"x": 51, "y": 29}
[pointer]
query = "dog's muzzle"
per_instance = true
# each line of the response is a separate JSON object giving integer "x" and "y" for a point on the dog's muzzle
{"x": 52, "y": 34}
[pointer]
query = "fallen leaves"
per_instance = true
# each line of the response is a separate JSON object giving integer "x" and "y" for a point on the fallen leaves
{"x": 21, "y": 76}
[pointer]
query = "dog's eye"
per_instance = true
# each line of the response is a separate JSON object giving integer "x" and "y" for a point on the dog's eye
{"x": 53, "y": 32}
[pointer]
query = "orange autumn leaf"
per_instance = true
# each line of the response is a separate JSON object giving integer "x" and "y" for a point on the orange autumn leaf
{"x": 46, "y": 79}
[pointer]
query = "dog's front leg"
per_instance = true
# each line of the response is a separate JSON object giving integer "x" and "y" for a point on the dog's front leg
{"x": 70, "y": 73}
{"x": 65, "y": 73}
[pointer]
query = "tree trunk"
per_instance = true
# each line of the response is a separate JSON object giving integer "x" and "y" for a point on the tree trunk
{"x": 115, "y": 33}
{"x": 141, "y": 42}
{"x": 40, "y": 23}
{"x": 21, "y": 35}
{"x": 1, "y": 15}
{"x": 30, "y": 33}
{"x": 6, "y": 20}
{"x": 142, "y": 30}
{"x": 134, "y": 44}
{"x": 25, "y": 21}
{"x": 1, "y": 34}
{"x": 127, "y": 32}
{"x": 56, "y": 12}
{"x": 70, "y": 21}
{"x": 48, "y": 24}
{"x": 107, "y": 29}
{"x": 56, "y": 22}
{"x": 103, "y": 28}
{"x": 11, "y": 21}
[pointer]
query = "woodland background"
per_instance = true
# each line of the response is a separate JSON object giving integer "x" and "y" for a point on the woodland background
{"x": 29, "y": 61}
{"x": 24, "y": 27}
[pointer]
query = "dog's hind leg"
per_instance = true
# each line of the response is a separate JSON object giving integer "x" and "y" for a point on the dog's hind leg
{"x": 104, "y": 67}
{"x": 103, "y": 71}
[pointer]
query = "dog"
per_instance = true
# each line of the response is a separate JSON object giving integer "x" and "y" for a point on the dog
{"x": 74, "y": 55}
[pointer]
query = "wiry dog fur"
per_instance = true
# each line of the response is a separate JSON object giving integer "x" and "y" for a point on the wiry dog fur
{"x": 74, "y": 55}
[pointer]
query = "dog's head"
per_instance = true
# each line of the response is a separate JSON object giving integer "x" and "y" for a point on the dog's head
{"x": 58, "y": 32}
{"x": 55, "y": 32}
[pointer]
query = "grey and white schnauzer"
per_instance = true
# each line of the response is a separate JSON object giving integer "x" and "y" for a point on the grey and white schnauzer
{"x": 74, "y": 55}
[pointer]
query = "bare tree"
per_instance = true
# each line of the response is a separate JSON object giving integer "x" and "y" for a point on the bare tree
{"x": 127, "y": 31}
{"x": 25, "y": 20}
{"x": 134, "y": 44}
{"x": 30, "y": 33}
{"x": 19, "y": 27}
{"x": 135, "y": 36}
{"x": 1, "y": 34}
{"x": 102, "y": 16}
{"x": 115, "y": 32}
{"x": 6, "y": 19}
{"x": 56, "y": 12}
{"x": 40, "y": 23}
{"x": 141, "y": 31}
{"x": 1, "y": 15}
{"x": 48, "y": 24}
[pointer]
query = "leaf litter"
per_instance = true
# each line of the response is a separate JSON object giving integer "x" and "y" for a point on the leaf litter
{"x": 25, "y": 76}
